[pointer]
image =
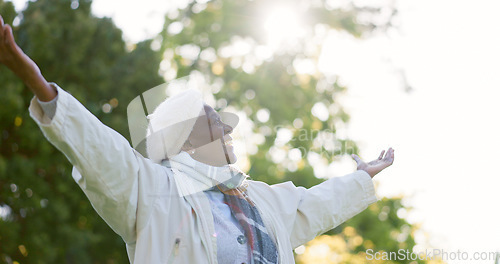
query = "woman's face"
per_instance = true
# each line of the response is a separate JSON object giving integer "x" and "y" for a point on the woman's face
{"x": 210, "y": 139}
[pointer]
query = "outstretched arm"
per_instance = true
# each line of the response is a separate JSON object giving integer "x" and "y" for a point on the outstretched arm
{"x": 118, "y": 181}
{"x": 20, "y": 64}
{"x": 307, "y": 213}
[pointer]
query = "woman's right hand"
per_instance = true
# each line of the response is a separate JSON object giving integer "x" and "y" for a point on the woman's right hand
{"x": 20, "y": 64}
{"x": 11, "y": 55}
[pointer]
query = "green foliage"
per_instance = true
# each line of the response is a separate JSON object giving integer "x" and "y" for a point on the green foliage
{"x": 49, "y": 220}
{"x": 381, "y": 228}
{"x": 274, "y": 83}
{"x": 288, "y": 95}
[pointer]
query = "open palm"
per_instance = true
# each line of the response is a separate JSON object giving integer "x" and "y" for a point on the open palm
{"x": 375, "y": 166}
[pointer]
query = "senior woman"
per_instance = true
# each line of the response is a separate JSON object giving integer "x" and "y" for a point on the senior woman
{"x": 186, "y": 202}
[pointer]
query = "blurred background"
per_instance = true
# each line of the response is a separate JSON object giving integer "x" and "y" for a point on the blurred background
{"x": 312, "y": 82}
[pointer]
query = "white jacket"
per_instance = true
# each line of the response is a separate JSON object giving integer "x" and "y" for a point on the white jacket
{"x": 138, "y": 199}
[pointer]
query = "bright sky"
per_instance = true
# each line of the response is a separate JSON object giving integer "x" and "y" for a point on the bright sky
{"x": 444, "y": 132}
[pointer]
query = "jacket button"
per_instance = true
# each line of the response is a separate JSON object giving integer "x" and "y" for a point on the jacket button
{"x": 241, "y": 239}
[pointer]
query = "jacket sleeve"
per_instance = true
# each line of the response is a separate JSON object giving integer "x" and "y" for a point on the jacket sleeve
{"x": 329, "y": 204}
{"x": 307, "y": 213}
{"x": 105, "y": 166}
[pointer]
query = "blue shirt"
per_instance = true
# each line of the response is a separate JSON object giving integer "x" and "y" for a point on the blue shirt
{"x": 232, "y": 245}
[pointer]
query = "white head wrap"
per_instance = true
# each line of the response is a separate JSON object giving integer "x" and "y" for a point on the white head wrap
{"x": 171, "y": 123}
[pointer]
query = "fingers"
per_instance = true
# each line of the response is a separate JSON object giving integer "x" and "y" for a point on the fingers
{"x": 381, "y": 155}
{"x": 9, "y": 51}
{"x": 389, "y": 156}
{"x": 356, "y": 158}
{"x": 1, "y": 29}
{"x": 389, "y": 150}
{"x": 8, "y": 36}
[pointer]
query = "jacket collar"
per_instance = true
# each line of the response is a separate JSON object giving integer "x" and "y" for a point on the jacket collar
{"x": 192, "y": 176}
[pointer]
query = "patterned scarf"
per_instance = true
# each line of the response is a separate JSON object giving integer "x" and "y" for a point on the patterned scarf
{"x": 263, "y": 248}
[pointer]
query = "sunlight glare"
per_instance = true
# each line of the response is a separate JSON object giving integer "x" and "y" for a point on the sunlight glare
{"x": 283, "y": 27}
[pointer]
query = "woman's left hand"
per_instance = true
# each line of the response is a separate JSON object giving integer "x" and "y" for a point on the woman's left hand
{"x": 375, "y": 166}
